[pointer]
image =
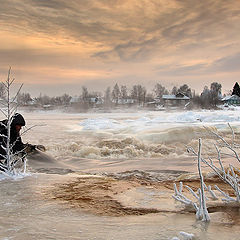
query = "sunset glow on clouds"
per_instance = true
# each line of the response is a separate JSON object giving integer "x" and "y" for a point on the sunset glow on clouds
{"x": 97, "y": 43}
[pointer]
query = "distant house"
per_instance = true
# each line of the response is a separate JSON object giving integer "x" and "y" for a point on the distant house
{"x": 93, "y": 101}
{"x": 97, "y": 100}
{"x": 124, "y": 101}
{"x": 48, "y": 107}
{"x": 231, "y": 100}
{"x": 34, "y": 103}
{"x": 177, "y": 100}
{"x": 155, "y": 103}
{"x": 74, "y": 99}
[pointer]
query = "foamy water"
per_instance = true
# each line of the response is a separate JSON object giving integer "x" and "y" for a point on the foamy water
{"x": 126, "y": 135}
{"x": 111, "y": 142}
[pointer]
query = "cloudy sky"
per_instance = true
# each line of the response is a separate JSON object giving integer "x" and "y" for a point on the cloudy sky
{"x": 57, "y": 46}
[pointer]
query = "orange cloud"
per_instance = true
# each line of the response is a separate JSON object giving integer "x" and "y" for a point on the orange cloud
{"x": 119, "y": 40}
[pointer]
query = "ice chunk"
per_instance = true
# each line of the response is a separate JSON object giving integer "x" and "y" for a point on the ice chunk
{"x": 187, "y": 236}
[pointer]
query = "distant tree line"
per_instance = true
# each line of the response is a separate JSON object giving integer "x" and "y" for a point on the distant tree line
{"x": 209, "y": 98}
{"x": 121, "y": 94}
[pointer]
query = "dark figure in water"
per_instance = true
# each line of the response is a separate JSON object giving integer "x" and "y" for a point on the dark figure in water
{"x": 16, "y": 145}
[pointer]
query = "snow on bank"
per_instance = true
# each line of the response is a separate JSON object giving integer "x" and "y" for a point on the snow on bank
{"x": 16, "y": 176}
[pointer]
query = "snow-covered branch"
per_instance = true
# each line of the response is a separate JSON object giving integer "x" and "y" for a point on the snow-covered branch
{"x": 205, "y": 216}
{"x": 225, "y": 144}
{"x": 228, "y": 176}
{"x": 9, "y": 157}
{"x": 200, "y": 205}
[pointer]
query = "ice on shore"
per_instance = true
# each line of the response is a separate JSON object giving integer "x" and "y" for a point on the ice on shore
{"x": 146, "y": 134}
{"x": 209, "y": 117}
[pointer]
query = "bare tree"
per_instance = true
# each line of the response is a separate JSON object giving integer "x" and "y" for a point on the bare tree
{"x": 160, "y": 90}
{"x": 211, "y": 97}
{"x": 123, "y": 92}
{"x": 205, "y": 97}
{"x": 2, "y": 91}
{"x": 186, "y": 90}
{"x": 84, "y": 94}
{"x": 215, "y": 93}
{"x": 116, "y": 93}
{"x": 62, "y": 100}
{"x": 139, "y": 93}
{"x": 107, "y": 97}
{"x": 24, "y": 98}
{"x": 8, "y": 109}
{"x": 66, "y": 99}
{"x": 174, "y": 90}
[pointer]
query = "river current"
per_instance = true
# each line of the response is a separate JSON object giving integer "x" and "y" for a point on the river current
{"x": 108, "y": 143}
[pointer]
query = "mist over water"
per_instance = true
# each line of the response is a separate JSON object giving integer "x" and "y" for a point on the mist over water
{"x": 100, "y": 137}
{"x": 113, "y": 143}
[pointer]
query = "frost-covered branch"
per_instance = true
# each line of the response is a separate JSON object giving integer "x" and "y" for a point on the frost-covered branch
{"x": 184, "y": 236}
{"x": 225, "y": 144}
{"x": 200, "y": 206}
{"x": 205, "y": 216}
{"x": 9, "y": 158}
{"x": 212, "y": 193}
{"x": 179, "y": 195}
{"x": 227, "y": 197}
{"x": 229, "y": 176}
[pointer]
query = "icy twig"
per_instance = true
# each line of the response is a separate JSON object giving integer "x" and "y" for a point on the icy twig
{"x": 213, "y": 195}
{"x": 187, "y": 236}
{"x": 179, "y": 196}
{"x": 192, "y": 192}
{"x": 233, "y": 134}
{"x": 235, "y": 182}
{"x": 10, "y": 159}
{"x": 226, "y": 177}
{"x": 219, "y": 157}
{"x": 225, "y": 143}
{"x": 227, "y": 197}
{"x": 3, "y": 112}
{"x": 229, "y": 176}
{"x": 203, "y": 205}
{"x": 201, "y": 209}
{"x": 16, "y": 95}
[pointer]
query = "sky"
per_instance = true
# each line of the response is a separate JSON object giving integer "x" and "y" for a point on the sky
{"x": 58, "y": 46}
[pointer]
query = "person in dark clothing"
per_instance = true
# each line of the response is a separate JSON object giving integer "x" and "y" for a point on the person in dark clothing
{"x": 17, "y": 147}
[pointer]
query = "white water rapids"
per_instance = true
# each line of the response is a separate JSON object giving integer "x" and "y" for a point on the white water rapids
{"x": 112, "y": 143}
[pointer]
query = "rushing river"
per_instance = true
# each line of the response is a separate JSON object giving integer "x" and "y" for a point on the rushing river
{"x": 111, "y": 143}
